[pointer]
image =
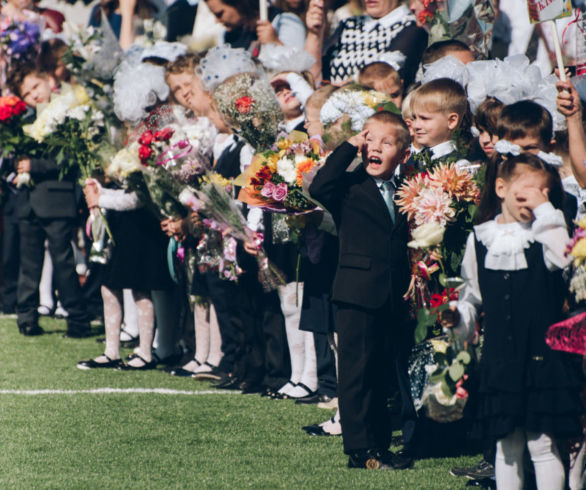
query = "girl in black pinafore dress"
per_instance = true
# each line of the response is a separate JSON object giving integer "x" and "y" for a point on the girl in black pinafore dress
{"x": 528, "y": 394}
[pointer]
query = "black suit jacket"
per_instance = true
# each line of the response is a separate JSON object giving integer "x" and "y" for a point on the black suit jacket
{"x": 48, "y": 197}
{"x": 373, "y": 264}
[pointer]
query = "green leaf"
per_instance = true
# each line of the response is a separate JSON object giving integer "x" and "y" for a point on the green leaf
{"x": 456, "y": 371}
{"x": 420, "y": 332}
{"x": 446, "y": 390}
{"x": 464, "y": 357}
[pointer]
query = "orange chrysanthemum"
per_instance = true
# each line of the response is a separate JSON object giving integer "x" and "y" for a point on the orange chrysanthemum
{"x": 304, "y": 166}
{"x": 406, "y": 195}
{"x": 456, "y": 182}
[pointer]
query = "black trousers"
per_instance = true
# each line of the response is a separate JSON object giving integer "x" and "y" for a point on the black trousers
{"x": 10, "y": 258}
{"x": 366, "y": 368}
{"x": 59, "y": 233}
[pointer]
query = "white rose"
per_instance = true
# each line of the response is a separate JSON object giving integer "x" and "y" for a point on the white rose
{"x": 427, "y": 235}
{"x": 287, "y": 170}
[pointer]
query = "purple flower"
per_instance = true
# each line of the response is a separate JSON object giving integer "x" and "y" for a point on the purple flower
{"x": 268, "y": 190}
{"x": 280, "y": 192}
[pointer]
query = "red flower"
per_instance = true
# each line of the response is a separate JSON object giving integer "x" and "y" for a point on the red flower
{"x": 145, "y": 153}
{"x": 19, "y": 107}
{"x": 164, "y": 134}
{"x": 243, "y": 104}
{"x": 425, "y": 16}
{"x": 6, "y": 112}
{"x": 437, "y": 300}
{"x": 146, "y": 138}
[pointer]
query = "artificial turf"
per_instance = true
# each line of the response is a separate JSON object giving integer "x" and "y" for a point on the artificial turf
{"x": 134, "y": 440}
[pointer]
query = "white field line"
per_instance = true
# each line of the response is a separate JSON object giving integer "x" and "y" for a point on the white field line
{"x": 116, "y": 391}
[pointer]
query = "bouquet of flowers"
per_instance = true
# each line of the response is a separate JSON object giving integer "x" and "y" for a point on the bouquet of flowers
{"x": 216, "y": 251}
{"x": 469, "y": 21}
{"x": 13, "y": 140}
{"x": 19, "y": 40}
{"x": 440, "y": 205}
{"x": 71, "y": 130}
{"x": 437, "y": 370}
{"x": 250, "y": 107}
{"x": 213, "y": 199}
{"x": 275, "y": 180}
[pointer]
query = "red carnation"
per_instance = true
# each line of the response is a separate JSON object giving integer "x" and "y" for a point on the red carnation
{"x": 437, "y": 300}
{"x": 146, "y": 138}
{"x": 145, "y": 153}
{"x": 243, "y": 104}
{"x": 164, "y": 134}
{"x": 19, "y": 107}
{"x": 425, "y": 16}
{"x": 5, "y": 112}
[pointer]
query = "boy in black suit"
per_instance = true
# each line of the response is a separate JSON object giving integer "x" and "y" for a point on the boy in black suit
{"x": 372, "y": 275}
{"x": 45, "y": 209}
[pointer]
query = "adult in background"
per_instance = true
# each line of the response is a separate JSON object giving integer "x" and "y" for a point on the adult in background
{"x": 243, "y": 27}
{"x": 387, "y": 26}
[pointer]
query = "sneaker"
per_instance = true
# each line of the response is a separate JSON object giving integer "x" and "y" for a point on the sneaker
{"x": 481, "y": 471}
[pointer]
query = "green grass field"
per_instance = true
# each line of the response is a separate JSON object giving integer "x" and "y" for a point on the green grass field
{"x": 212, "y": 439}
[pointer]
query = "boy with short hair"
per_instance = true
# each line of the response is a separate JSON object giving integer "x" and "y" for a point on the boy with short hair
{"x": 439, "y": 109}
{"x": 384, "y": 78}
{"x": 46, "y": 210}
{"x": 371, "y": 276}
{"x": 449, "y": 47}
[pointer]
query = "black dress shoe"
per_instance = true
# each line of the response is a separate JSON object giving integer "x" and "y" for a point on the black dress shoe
{"x": 30, "y": 330}
{"x": 77, "y": 334}
{"x": 317, "y": 430}
{"x": 229, "y": 382}
{"x": 370, "y": 459}
{"x": 249, "y": 388}
{"x": 92, "y": 364}
{"x": 313, "y": 399}
{"x": 400, "y": 460}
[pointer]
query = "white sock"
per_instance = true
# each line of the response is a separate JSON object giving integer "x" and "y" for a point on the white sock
{"x": 509, "y": 461}
{"x": 576, "y": 475}
{"x": 112, "y": 319}
{"x": 146, "y": 326}
{"x": 215, "y": 354}
{"x": 309, "y": 377}
{"x": 46, "y": 282}
{"x": 333, "y": 426}
{"x": 295, "y": 337}
{"x": 201, "y": 319}
{"x": 286, "y": 388}
{"x": 130, "y": 313}
{"x": 549, "y": 469}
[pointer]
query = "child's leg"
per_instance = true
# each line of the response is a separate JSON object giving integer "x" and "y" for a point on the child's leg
{"x": 549, "y": 469}
{"x": 295, "y": 337}
{"x": 112, "y": 321}
{"x": 509, "y": 461}
{"x": 146, "y": 327}
{"x": 130, "y": 316}
{"x": 46, "y": 301}
{"x": 166, "y": 306}
{"x": 215, "y": 351}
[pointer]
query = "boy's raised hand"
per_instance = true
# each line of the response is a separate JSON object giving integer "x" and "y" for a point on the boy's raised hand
{"x": 359, "y": 140}
{"x": 314, "y": 19}
{"x": 567, "y": 100}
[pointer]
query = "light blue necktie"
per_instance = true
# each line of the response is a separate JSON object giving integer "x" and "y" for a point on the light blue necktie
{"x": 387, "y": 189}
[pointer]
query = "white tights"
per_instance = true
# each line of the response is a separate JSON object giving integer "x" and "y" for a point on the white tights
{"x": 113, "y": 319}
{"x": 549, "y": 470}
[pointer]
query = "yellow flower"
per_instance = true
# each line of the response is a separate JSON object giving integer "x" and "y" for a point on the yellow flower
{"x": 440, "y": 346}
{"x": 283, "y": 144}
{"x": 80, "y": 94}
{"x": 579, "y": 250}
{"x": 582, "y": 223}
{"x": 272, "y": 162}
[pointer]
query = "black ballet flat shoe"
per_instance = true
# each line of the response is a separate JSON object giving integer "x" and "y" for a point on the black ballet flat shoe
{"x": 93, "y": 364}
{"x": 146, "y": 365}
{"x": 248, "y": 388}
{"x": 181, "y": 373}
{"x": 30, "y": 330}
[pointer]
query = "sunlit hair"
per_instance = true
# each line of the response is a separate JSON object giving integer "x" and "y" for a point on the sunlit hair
{"x": 440, "y": 49}
{"x": 406, "y": 111}
{"x": 487, "y": 115}
{"x": 377, "y": 71}
{"x": 402, "y": 137}
{"x": 508, "y": 168}
{"x": 441, "y": 95}
{"x": 185, "y": 63}
{"x": 525, "y": 118}
{"x": 319, "y": 97}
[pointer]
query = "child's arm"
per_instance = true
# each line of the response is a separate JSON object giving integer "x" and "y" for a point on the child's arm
{"x": 326, "y": 185}
{"x": 550, "y": 230}
{"x": 568, "y": 103}
{"x": 463, "y": 320}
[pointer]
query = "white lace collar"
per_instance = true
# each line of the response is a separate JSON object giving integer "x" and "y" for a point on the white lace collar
{"x": 505, "y": 244}
{"x": 398, "y": 14}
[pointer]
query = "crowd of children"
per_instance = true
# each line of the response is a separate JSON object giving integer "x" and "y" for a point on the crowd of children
{"x": 323, "y": 304}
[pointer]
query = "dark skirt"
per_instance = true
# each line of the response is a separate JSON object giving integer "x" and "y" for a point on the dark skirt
{"x": 139, "y": 256}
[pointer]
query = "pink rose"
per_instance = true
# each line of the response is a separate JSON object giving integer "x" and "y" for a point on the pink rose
{"x": 267, "y": 190}
{"x": 280, "y": 192}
